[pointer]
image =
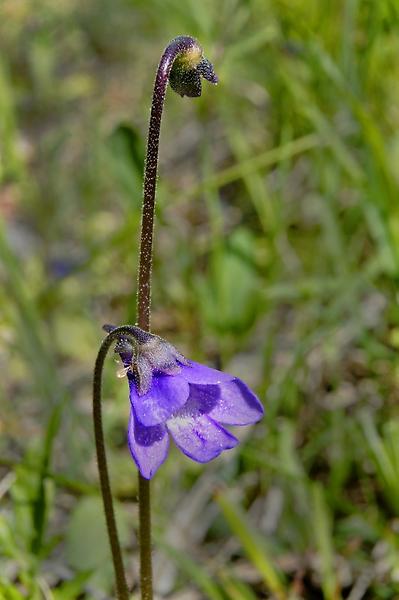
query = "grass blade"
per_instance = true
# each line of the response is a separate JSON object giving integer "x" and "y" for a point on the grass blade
{"x": 253, "y": 546}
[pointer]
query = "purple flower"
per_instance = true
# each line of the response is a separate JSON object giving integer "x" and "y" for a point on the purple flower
{"x": 173, "y": 396}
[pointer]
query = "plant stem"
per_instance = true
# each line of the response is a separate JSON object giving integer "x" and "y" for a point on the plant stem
{"x": 184, "y": 86}
{"x": 145, "y": 538}
{"x": 181, "y": 44}
{"x": 120, "y": 578}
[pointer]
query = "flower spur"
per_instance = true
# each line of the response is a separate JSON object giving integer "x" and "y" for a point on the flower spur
{"x": 173, "y": 396}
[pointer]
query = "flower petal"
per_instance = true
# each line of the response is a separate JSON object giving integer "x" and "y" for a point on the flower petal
{"x": 200, "y": 438}
{"x": 236, "y": 405}
{"x": 202, "y": 399}
{"x": 197, "y": 373}
{"x": 167, "y": 394}
{"x": 148, "y": 445}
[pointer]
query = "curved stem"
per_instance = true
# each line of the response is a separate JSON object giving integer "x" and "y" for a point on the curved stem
{"x": 177, "y": 46}
{"x": 120, "y": 578}
{"x": 188, "y": 82}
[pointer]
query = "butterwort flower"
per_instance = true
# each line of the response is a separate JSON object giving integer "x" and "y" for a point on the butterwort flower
{"x": 173, "y": 396}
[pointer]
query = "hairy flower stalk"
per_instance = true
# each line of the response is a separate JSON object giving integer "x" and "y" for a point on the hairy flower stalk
{"x": 120, "y": 578}
{"x": 183, "y": 64}
{"x": 186, "y": 54}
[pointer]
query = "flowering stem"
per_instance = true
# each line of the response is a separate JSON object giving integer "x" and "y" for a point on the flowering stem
{"x": 177, "y": 46}
{"x": 120, "y": 578}
{"x": 185, "y": 79}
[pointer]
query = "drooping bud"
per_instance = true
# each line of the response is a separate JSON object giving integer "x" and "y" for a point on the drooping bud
{"x": 187, "y": 70}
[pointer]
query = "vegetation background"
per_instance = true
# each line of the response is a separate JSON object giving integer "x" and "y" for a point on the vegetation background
{"x": 277, "y": 258}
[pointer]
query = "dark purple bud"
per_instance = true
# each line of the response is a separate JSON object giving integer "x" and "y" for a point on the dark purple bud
{"x": 187, "y": 70}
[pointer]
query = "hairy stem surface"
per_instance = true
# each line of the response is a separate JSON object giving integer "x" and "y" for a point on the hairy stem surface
{"x": 120, "y": 578}
{"x": 177, "y": 46}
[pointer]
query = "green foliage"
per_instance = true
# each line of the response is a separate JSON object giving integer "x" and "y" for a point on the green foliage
{"x": 260, "y": 556}
{"x": 276, "y": 257}
{"x": 384, "y": 451}
{"x": 324, "y": 543}
{"x": 196, "y": 573}
{"x": 87, "y": 547}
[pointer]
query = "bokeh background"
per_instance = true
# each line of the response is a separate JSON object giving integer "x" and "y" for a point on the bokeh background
{"x": 276, "y": 258}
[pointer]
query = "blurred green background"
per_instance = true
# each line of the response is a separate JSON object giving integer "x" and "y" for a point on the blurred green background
{"x": 276, "y": 258}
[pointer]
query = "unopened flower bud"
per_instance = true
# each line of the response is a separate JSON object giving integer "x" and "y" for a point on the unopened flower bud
{"x": 187, "y": 70}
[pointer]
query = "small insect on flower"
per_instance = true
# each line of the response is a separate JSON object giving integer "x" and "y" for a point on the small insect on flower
{"x": 173, "y": 396}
